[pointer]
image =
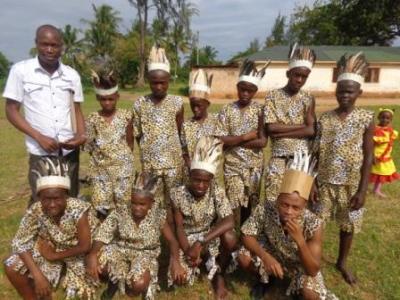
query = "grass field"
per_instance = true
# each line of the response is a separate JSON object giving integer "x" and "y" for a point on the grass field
{"x": 375, "y": 257}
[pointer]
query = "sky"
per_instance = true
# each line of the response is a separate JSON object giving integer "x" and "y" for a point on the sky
{"x": 227, "y": 25}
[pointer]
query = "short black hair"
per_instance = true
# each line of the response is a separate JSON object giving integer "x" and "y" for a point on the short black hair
{"x": 48, "y": 27}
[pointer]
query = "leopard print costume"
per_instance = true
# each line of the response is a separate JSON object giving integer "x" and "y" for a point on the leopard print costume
{"x": 265, "y": 224}
{"x": 193, "y": 130}
{"x": 283, "y": 109}
{"x": 339, "y": 146}
{"x": 242, "y": 167}
{"x": 111, "y": 159}
{"x": 36, "y": 224}
{"x": 159, "y": 142}
{"x": 130, "y": 249}
{"x": 198, "y": 217}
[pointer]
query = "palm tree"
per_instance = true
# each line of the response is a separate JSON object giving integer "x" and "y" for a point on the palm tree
{"x": 210, "y": 54}
{"x": 72, "y": 45}
{"x": 142, "y": 9}
{"x": 180, "y": 35}
{"x": 102, "y": 30}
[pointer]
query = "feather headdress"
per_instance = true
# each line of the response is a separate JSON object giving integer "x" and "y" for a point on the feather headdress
{"x": 250, "y": 73}
{"x": 207, "y": 154}
{"x": 51, "y": 173}
{"x": 103, "y": 76}
{"x": 299, "y": 175}
{"x": 301, "y": 57}
{"x": 158, "y": 60}
{"x": 145, "y": 183}
{"x": 353, "y": 67}
{"x": 200, "y": 84}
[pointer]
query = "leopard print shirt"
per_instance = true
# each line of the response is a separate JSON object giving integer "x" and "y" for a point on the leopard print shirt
{"x": 339, "y": 144}
{"x": 64, "y": 235}
{"x": 235, "y": 121}
{"x": 283, "y": 109}
{"x": 155, "y": 127}
{"x": 199, "y": 214}
{"x": 120, "y": 228}
{"x": 264, "y": 223}
{"x": 193, "y": 130}
{"x": 106, "y": 143}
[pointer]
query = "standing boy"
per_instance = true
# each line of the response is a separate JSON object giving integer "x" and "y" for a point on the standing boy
{"x": 345, "y": 148}
{"x": 240, "y": 127}
{"x": 289, "y": 118}
{"x": 158, "y": 120}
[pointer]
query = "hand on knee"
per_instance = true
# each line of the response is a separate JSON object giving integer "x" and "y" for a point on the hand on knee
{"x": 244, "y": 262}
{"x": 309, "y": 294}
{"x": 141, "y": 285}
{"x": 229, "y": 241}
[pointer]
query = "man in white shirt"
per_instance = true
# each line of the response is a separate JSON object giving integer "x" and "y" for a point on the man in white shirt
{"x": 50, "y": 93}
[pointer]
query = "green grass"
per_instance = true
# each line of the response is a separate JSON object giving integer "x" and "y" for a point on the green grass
{"x": 374, "y": 257}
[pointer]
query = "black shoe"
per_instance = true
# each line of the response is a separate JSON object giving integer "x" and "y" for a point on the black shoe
{"x": 258, "y": 291}
{"x": 110, "y": 292}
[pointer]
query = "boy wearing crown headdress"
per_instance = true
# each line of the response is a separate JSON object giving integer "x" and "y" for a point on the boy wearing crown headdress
{"x": 283, "y": 239}
{"x": 109, "y": 133}
{"x": 204, "y": 218}
{"x": 202, "y": 123}
{"x": 127, "y": 245}
{"x": 240, "y": 127}
{"x": 158, "y": 119}
{"x": 344, "y": 145}
{"x": 53, "y": 239}
{"x": 289, "y": 118}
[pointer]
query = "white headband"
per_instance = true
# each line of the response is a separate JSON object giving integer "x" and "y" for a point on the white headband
{"x": 250, "y": 79}
{"x": 200, "y": 165}
{"x": 351, "y": 76}
{"x": 104, "y": 92}
{"x": 52, "y": 181}
{"x": 300, "y": 63}
{"x": 200, "y": 87}
{"x": 159, "y": 66}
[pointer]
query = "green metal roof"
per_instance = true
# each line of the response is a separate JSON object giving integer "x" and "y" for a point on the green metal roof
{"x": 332, "y": 53}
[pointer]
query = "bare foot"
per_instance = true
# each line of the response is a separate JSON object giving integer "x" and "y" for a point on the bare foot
{"x": 347, "y": 275}
{"x": 380, "y": 195}
{"x": 219, "y": 287}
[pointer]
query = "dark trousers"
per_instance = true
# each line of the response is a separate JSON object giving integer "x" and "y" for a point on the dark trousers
{"x": 73, "y": 164}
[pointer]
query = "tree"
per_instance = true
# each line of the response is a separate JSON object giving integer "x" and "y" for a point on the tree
{"x": 347, "y": 22}
{"x": 203, "y": 57}
{"x": 316, "y": 25}
{"x": 171, "y": 28}
{"x": 370, "y": 22}
{"x": 126, "y": 56}
{"x": 277, "y": 36}
{"x": 253, "y": 47}
{"x": 4, "y": 66}
{"x": 181, "y": 34}
{"x": 142, "y": 10}
{"x": 72, "y": 45}
{"x": 103, "y": 31}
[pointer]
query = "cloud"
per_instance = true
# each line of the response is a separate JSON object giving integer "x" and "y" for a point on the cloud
{"x": 227, "y": 25}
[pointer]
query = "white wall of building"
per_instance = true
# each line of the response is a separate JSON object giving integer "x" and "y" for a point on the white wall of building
{"x": 320, "y": 79}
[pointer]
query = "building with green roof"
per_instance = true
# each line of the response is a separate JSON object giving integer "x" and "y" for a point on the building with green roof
{"x": 383, "y": 78}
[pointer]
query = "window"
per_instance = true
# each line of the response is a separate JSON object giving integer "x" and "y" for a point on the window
{"x": 372, "y": 75}
{"x": 335, "y": 74}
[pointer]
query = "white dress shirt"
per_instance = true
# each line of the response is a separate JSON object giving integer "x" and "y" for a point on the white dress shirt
{"x": 46, "y": 99}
